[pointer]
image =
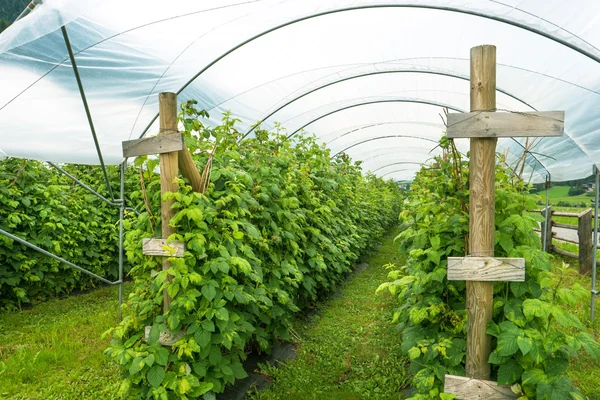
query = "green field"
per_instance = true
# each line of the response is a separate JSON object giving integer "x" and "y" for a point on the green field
{"x": 557, "y": 194}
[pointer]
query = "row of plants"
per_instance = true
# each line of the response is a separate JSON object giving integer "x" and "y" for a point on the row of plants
{"x": 533, "y": 336}
{"x": 279, "y": 225}
{"x": 42, "y": 206}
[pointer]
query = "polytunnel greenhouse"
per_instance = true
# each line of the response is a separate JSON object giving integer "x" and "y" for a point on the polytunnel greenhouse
{"x": 299, "y": 199}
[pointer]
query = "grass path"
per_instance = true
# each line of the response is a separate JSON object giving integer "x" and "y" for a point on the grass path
{"x": 54, "y": 350}
{"x": 349, "y": 349}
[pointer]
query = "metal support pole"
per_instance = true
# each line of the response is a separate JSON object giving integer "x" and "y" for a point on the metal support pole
{"x": 594, "y": 290}
{"x": 121, "y": 213}
{"x": 89, "y": 189}
{"x": 87, "y": 109}
{"x": 62, "y": 260}
{"x": 547, "y": 214}
{"x": 83, "y": 185}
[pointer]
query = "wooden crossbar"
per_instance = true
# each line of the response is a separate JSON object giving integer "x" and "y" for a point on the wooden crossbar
{"x": 153, "y": 145}
{"x": 476, "y": 389}
{"x": 486, "y": 269}
{"x": 505, "y": 124}
{"x": 160, "y": 247}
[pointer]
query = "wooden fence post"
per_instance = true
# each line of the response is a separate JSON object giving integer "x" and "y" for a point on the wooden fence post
{"x": 482, "y": 167}
{"x": 586, "y": 249}
{"x": 167, "y": 104}
{"x": 546, "y": 229}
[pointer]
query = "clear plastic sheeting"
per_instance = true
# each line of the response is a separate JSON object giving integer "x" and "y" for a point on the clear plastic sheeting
{"x": 371, "y": 78}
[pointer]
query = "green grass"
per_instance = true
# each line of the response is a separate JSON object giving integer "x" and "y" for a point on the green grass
{"x": 350, "y": 349}
{"x": 583, "y": 370}
{"x": 54, "y": 350}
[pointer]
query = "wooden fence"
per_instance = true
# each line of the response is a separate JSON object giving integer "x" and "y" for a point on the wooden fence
{"x": 584, "y": 230}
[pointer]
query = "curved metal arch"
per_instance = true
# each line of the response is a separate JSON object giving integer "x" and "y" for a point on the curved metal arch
{"x": 364, "y": 103}
{"x": 392, "y": 150}
{"x": 407, "y": 100}
{"x": 396, "y": 163}
{"x": 387, "y": 153}
{"x": 376, "y": 124}
{"x": 372, "y": 73}
{"x": 383, "y": 137}
{"x": 373, "y": 6}
{"x": 393, "y": 172}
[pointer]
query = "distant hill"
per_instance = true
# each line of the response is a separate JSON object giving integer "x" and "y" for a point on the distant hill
{"x": 9, "y": 10}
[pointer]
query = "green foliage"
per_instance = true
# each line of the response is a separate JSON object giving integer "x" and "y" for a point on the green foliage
{"x": 10, "y": 10}
{"x": 576, "y": 190}
{"x": 280, "y": 224}
{"x": 533, "y": 336}
{"x": 42, "y": 206}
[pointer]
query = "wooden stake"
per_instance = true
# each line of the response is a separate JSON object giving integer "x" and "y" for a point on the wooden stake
{"x": 586, "y": 244}
{"x": 167, "y": 104}
{"x": 189, "y": 170}
{"x": 481, "y": 212}
{"x": 547, "y": 229}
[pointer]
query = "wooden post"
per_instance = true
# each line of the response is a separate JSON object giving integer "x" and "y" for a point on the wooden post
{"x": 480, "y": 267}
{"x": 546, "y": 229}
{"x": 586, "y": 245}
{"x": 481, "y": 212}
{"x": 167, "y": 104}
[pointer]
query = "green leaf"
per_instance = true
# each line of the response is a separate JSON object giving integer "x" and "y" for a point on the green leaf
{"x": 202, "y": 337}
{"x": 435, "y": 242}
{"x": 136, "y": 365}
{"x": 533, "y": 376}
{"x": 222, "y": 314}
{"x": 507, "y": 343}
{"x": 414, "y": 352}
{"x": 536, "y": 308}
{"x": 589, "y": 344}
{"x": 208, "y": 326}
{"x": 209, "y": 292}
{"x": 424, "y": 380}
{"x": 161, "y": 357}
{"x": 525, "y": 344}
{"x": 556, "y": 367}
{"x": 156, "y": 375}
{"x": 513, "y": 312}
{"x": 238, "y": 371}
{"x": 509, "y": 372}
{"x": 204, "y": 387}
{"x": 557, "y": 389}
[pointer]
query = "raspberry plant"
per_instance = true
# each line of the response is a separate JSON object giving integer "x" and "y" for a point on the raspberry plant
{"x": 279, "y": 226}
{"x": 534, "y": 335}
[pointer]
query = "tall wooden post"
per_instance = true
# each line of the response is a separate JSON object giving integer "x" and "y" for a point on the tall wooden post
{"x": 167, "y": 104}
{"x": 586, "y": 244}
{"x": 480, "y": 269}
{"x": 481, "y": 212}
{"x": 546, "y": 229}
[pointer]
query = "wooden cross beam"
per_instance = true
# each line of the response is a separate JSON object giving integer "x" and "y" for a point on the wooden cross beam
{"x": 481, "y": 268}
{"x": 487, "y": 124}
{"x": 486, "y": 269}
